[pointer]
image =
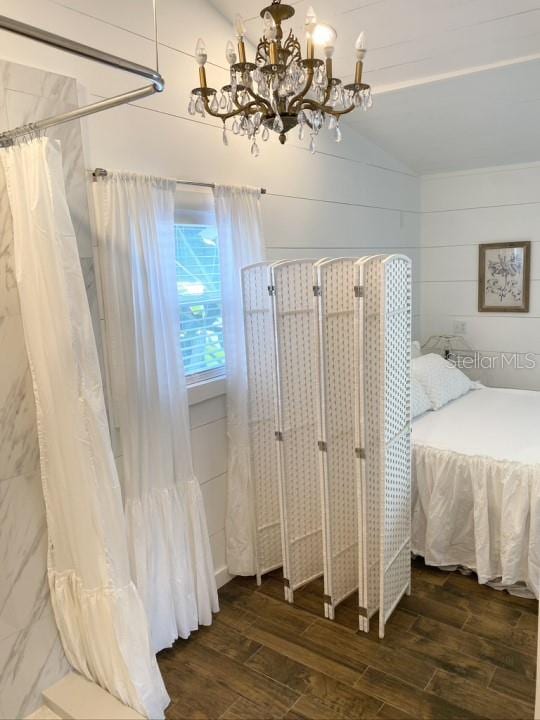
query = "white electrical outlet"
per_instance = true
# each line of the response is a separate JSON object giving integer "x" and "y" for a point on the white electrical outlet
{"x": 460, "y": 327}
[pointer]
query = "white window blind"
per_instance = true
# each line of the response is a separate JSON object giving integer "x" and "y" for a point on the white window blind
{"x": 198, "y": 282}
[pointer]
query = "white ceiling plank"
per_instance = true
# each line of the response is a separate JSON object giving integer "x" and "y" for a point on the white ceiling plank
{"x": 486, "y": 119}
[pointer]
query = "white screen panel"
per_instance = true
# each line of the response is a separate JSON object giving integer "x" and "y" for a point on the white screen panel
{"x": 369, "y": 394}
{"x": 334, "y": 280}
{"x": 260, "y": 353}
{"x": 297, "y": 387}
{"x": 396, "y": 481}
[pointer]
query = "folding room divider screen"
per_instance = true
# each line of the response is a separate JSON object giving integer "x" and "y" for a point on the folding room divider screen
{"x": 328, "y": 347}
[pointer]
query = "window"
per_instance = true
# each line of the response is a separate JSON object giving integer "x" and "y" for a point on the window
{"x": 199, "y": 292}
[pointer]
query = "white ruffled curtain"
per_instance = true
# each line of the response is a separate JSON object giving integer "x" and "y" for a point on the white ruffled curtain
{"x": 168, "y": 538}
{"x": 98, "y": 610}
{"x": 241, "y": 243}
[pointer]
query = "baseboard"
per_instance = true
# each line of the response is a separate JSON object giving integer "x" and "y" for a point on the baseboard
{"x": 222, "y": 576}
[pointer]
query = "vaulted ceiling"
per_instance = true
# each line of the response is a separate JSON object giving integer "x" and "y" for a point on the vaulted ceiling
{"x": 456, "y": 82}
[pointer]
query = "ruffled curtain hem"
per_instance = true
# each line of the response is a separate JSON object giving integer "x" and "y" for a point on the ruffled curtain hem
{"x": 171, "y": 560}
{"x": 479, "y": 513}
{"x": 96, "y": 628}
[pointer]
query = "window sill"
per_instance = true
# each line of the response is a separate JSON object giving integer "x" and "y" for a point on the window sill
{"x": 206, "y": 390}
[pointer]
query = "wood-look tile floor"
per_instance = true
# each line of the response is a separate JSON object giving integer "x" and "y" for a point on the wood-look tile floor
{"x": 454, "y": 649}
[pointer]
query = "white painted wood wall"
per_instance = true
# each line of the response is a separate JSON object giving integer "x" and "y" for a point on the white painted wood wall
{"x": 459, "y": 211}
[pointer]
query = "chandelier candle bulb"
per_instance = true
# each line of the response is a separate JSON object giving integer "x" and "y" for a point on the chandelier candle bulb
{"x": 311, "y": 19}
{"x": 270, "y": 34}
{"x": 360, "y": 46}
{"x": 310, "y": 25}
{"x": 201, "y": 53}
{"x": 281, "y": 89}
{"x": 240, "y": 27}
{"x": 230, "y": 53}
{"x": 324, "y": 35}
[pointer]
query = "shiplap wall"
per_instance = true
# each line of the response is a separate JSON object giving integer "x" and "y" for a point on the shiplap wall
{"x": 460, "y": 211}
{"x": 349, "y": 199}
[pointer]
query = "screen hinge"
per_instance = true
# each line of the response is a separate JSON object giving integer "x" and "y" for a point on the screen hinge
{"x": 359, "y": 291}
{"x": 317, "y": 290}
{"x": 360, "y": 453}
{"x": 279, "y": 435}
{"x": 271, "y": 289}
{"x": 323, "y": 446}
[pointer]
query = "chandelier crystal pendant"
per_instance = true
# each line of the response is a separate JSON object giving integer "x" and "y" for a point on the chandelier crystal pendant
{"x": 281, "y": 90}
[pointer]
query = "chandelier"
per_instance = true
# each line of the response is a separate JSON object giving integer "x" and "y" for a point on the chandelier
{"x": 281, "y": 90}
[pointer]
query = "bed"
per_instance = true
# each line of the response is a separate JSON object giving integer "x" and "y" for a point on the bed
{"x": 476, "y": 487}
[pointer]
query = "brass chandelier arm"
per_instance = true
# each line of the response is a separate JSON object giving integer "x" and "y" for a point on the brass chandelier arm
{"x": 257, "y": 98}
{"x": 339, "y": 113}
{"x": 236, "y": 101}
{"x": 260, "y": 100}
{"x": 312, "y": 105}
{"x": 250, "y": 108}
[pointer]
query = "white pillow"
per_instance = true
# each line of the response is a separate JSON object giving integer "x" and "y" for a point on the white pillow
{"x": 420, "y": 403}
{"x": 440, "y": 379}
{"x": 416, "y": 349}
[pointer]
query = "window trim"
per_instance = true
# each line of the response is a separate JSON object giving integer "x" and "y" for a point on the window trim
{"x": 206, "y": 390}
{"x": 205, "y": 376}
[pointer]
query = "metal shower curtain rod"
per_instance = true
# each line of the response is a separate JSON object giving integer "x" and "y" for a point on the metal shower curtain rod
{"x": 101, "y": 172}
{"x": 34, "y": 33}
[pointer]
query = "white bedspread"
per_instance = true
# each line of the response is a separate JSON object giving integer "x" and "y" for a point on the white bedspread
{"x": 476, "y": 485}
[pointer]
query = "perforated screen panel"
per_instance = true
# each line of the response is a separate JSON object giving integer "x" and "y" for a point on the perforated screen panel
{"x": 369, "y": 430}
{"x": 260, "y": 352}
{"x": 334, "y": 280}
{"x": 297, "y": 387}
{"x": 396, "y": 482}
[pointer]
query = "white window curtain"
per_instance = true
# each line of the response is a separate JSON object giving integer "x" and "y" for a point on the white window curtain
{"x": 167, "y": 533}
{"x": 97, "y": 608}
{"x": 241, "y": 243}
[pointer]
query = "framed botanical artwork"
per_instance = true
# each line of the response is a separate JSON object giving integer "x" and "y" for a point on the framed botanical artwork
{"x": 504, "y": 277}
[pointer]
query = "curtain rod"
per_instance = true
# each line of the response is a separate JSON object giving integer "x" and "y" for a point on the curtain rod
{"x": 90, "y": 53}
{"x": 101, "y": 172}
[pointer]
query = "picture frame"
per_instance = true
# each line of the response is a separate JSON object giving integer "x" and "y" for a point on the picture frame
{"x": 504, "y": 277}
